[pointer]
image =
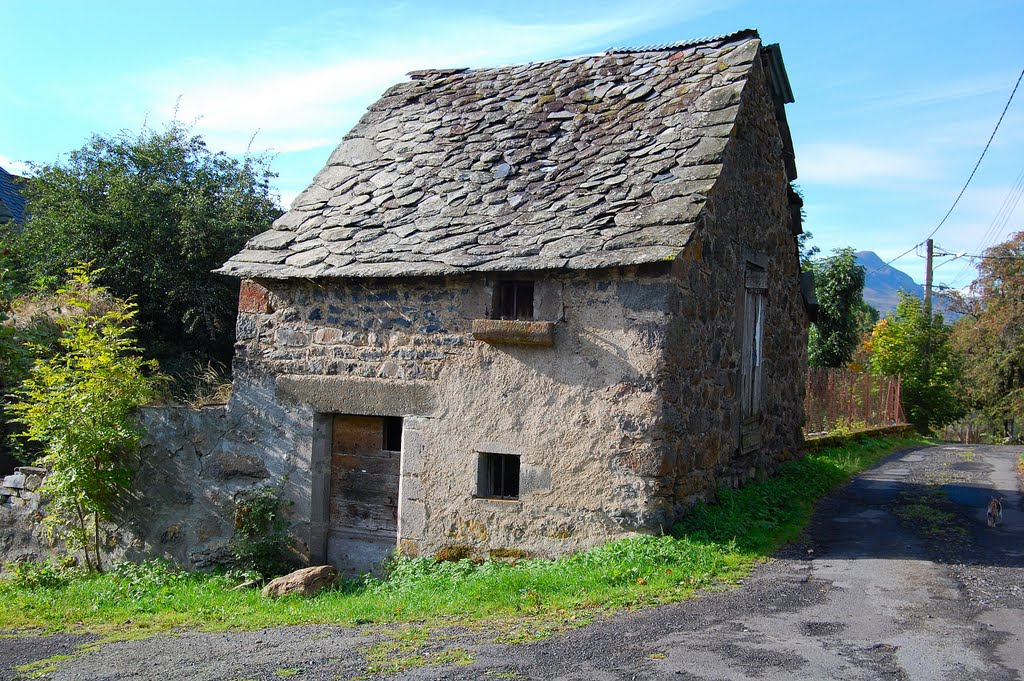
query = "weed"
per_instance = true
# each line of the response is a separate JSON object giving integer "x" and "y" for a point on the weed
{"x": 929, "y": 514}
{"x": 409, "y": 649}
{"x": 41, "y": 575}
{"x": 41, "y": 668}
{"x": 260, "y": 542}
{"x": 285, "y": 672}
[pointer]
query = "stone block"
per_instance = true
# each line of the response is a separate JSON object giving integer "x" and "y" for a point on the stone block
{"x": 373, "y": 397}
{"x": 14, "y": 481}
{"x": 227, "y": 466}
{"x": 412, "y": 520}
{"x": 253, "y": 298}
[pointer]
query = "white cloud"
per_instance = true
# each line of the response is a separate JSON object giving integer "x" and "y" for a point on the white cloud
{"x": 311, "y": 82}
{"x": 853, "y": 164}
{"x": 14, "y": 167}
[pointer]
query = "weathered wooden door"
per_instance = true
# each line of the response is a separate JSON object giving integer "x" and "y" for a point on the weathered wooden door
{"x": 365, "y": 459}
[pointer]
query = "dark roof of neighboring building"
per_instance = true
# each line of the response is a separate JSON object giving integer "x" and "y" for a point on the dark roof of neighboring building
{"x": 581, "y": 163}
{"x": 12, "y": 203}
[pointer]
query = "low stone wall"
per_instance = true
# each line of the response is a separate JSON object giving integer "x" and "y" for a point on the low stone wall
{"x": 191, "y": 468}
{"x": 814, "y": 444}
{"x": 21, "y": 514}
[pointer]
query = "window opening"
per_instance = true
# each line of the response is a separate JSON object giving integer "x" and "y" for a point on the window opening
{"x": 498, "y": 476}
{"x": 393, "y": 433}
{"x": 515, "y": 300}
{"x": 753, "y": 338}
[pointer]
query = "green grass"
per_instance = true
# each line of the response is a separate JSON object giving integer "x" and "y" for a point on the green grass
{"x": 717, "y": 544}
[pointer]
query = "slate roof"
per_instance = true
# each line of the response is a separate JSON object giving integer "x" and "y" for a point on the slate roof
{"x": 12, "y": 203}
{"x": 581, "y": 163}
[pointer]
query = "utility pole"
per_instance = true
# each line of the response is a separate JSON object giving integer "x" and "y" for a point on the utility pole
{"x": 928, "y": 282}
{"x": 928, "y": 306}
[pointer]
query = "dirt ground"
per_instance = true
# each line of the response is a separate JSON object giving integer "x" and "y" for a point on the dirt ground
{"x": 898, "y": 577}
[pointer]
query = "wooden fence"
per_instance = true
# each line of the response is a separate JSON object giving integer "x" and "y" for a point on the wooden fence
{"x": 838, "y": 398}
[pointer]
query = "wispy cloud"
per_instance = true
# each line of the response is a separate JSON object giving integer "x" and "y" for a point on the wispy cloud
{"x": 854, "y": 164}
{"x": 942, "y": 92}
{"x": 315, "y": 79}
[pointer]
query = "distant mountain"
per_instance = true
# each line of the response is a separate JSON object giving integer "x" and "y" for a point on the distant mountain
{"x": 881, "y": 287}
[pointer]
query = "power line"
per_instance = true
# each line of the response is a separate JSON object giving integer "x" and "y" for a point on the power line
{"x": 998, "y": 224}
{"x": 983, "y": 152}
{"x": 969, "y": 178}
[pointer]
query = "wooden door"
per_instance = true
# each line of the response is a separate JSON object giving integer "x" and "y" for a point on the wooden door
{"x": 363, "y": 528}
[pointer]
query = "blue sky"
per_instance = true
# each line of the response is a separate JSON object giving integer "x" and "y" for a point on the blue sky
{"x": 894, "y": 100}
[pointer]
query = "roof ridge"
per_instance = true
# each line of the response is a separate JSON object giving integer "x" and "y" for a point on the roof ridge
{"x": 441, "y": 72}
{"x": 742, "y": 33}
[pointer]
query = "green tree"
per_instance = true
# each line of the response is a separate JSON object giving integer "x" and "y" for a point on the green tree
{"x": 990, "y": 335}
{"x": 78, "y": 405}
{"x": 156, "y": 212}
{"x": 918, "y": 350}
{"x": 839, "y": 287}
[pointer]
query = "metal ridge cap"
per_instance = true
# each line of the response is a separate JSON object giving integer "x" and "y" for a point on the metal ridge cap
{"x": 744, "y": 33}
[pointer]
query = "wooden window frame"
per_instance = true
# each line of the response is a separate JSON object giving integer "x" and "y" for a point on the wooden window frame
{"x": 498, "y": 476}
{"x": 514, "y": 300}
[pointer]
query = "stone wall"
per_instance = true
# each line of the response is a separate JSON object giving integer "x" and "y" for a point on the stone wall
{"x": 580, "y": 414}
{"x": 21, "y": 510}
{"x": 747, "y": 217}
{"x": 192, "y": 466}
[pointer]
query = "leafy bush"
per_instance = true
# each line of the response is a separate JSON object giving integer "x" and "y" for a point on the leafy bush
{"x": 158, "y": 211}
{"x": 260, "y": 541}
{"x": 78, "y": 406}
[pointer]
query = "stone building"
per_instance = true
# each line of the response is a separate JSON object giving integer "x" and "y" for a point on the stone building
{"x": 528, "y": 309}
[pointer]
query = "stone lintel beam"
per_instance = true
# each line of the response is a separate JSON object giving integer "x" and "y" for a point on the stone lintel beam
{"x": 361, "y": 396}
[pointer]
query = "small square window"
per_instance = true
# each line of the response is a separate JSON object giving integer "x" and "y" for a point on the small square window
{"x": 514, "y": 300}
{"x": 393, "y": 433}
{"x": 498, "y": 476}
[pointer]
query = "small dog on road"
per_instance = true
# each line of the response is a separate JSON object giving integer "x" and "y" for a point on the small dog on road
{"x": 995, "y": 511}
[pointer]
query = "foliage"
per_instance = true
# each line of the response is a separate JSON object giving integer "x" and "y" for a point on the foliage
{"x": 132, "y": 581}
{"x": 716, "y": 544}
{"x": 202, "y": 386}
{"x": 42, "y": 575}
{"x": 839, "y": 287}
{"x": 990, "y": 335}
{"x": 917, "y": 349}
{"x": 78, "y": 405}
{"x": 157, "y": 211}
{"x": 260, "y": 542}
{"x": 806, "y": 250}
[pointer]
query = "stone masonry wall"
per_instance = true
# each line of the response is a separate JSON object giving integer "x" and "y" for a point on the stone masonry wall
{"x": 580, "y": 414}
{"x": 192, "y": 466}
{"x": 747, "y": 215}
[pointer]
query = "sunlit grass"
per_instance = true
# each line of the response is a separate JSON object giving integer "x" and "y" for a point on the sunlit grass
{"x": 716, "y": 544}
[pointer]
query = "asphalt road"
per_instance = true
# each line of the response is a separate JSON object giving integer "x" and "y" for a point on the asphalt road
{"x": 898, "y": 578}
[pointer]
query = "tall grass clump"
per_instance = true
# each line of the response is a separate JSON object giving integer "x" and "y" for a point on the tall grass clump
{"x": 717, "y": 543}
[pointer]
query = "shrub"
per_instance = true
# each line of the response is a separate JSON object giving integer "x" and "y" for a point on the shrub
{"x": 260, "y": 541}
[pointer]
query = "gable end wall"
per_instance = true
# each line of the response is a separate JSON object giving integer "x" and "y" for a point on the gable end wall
{"x": 746, "y": 217}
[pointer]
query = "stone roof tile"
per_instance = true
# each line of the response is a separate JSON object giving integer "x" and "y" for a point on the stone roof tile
{"x": 598, "y": 161}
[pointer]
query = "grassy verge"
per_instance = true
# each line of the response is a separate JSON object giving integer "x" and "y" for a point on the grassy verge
{"x": 716, "y": 544}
